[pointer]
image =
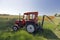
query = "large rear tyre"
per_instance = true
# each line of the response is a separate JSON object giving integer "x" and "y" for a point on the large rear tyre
{"x": 31, "y": 28}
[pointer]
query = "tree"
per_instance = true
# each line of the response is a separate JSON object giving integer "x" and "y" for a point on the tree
{"x": 55, "y": 15}
{"x": 59, "y": 15}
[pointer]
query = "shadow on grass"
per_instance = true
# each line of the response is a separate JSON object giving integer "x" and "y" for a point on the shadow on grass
{"x": 48, "y": 34}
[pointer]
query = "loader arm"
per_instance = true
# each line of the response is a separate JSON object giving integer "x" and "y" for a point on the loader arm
{"x": 48, "y": 18}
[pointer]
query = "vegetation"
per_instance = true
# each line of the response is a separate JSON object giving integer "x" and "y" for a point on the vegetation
{"x": 51, "y": 31}
{"x": 57, "y": 15}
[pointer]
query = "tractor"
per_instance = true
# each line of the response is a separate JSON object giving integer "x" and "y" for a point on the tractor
{"x": 29, "y": 22}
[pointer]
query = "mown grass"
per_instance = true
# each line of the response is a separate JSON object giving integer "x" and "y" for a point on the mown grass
{"x": 49, "y": 33}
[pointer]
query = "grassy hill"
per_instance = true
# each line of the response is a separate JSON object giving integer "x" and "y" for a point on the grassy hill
{"x": 51, "y": 31}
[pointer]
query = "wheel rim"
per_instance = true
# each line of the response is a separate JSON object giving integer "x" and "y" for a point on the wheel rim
{"x": 30, "y": 28}
{"x": 15, "y": 28}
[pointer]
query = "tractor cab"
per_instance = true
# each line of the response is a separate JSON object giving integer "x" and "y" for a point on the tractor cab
{"x": 30, "y": 16}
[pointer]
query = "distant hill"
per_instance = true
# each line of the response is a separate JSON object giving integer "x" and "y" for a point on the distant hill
{"x": 4, "y": 14}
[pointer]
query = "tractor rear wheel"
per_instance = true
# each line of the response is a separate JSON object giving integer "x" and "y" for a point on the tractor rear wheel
{"x": 31, "y": 28}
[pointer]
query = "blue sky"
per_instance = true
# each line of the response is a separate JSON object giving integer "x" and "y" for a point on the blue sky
{"x": 44, "y": 7}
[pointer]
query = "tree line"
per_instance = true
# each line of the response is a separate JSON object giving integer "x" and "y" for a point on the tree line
{"x": 57, "y": 15}
{"x": 4, "y": 14}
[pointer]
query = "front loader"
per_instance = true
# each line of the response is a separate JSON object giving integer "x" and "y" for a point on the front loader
{"x": 30, "y": 22}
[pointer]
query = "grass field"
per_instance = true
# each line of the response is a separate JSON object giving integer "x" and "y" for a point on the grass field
{"x": 51, "y": 31}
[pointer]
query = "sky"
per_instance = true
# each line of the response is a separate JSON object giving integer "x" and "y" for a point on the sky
{"x": 43, "y": 7}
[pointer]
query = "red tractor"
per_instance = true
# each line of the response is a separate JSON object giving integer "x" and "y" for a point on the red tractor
{"x": 30, "y": 22}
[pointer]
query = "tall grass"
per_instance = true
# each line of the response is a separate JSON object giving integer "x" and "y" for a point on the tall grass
{"x": 7, "y": 22}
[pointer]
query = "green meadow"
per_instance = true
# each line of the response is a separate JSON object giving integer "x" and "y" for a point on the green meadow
{"x": 51, "y": 30}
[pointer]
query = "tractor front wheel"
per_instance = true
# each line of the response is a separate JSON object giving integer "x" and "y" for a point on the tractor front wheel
{"x": 15, "y": 28}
